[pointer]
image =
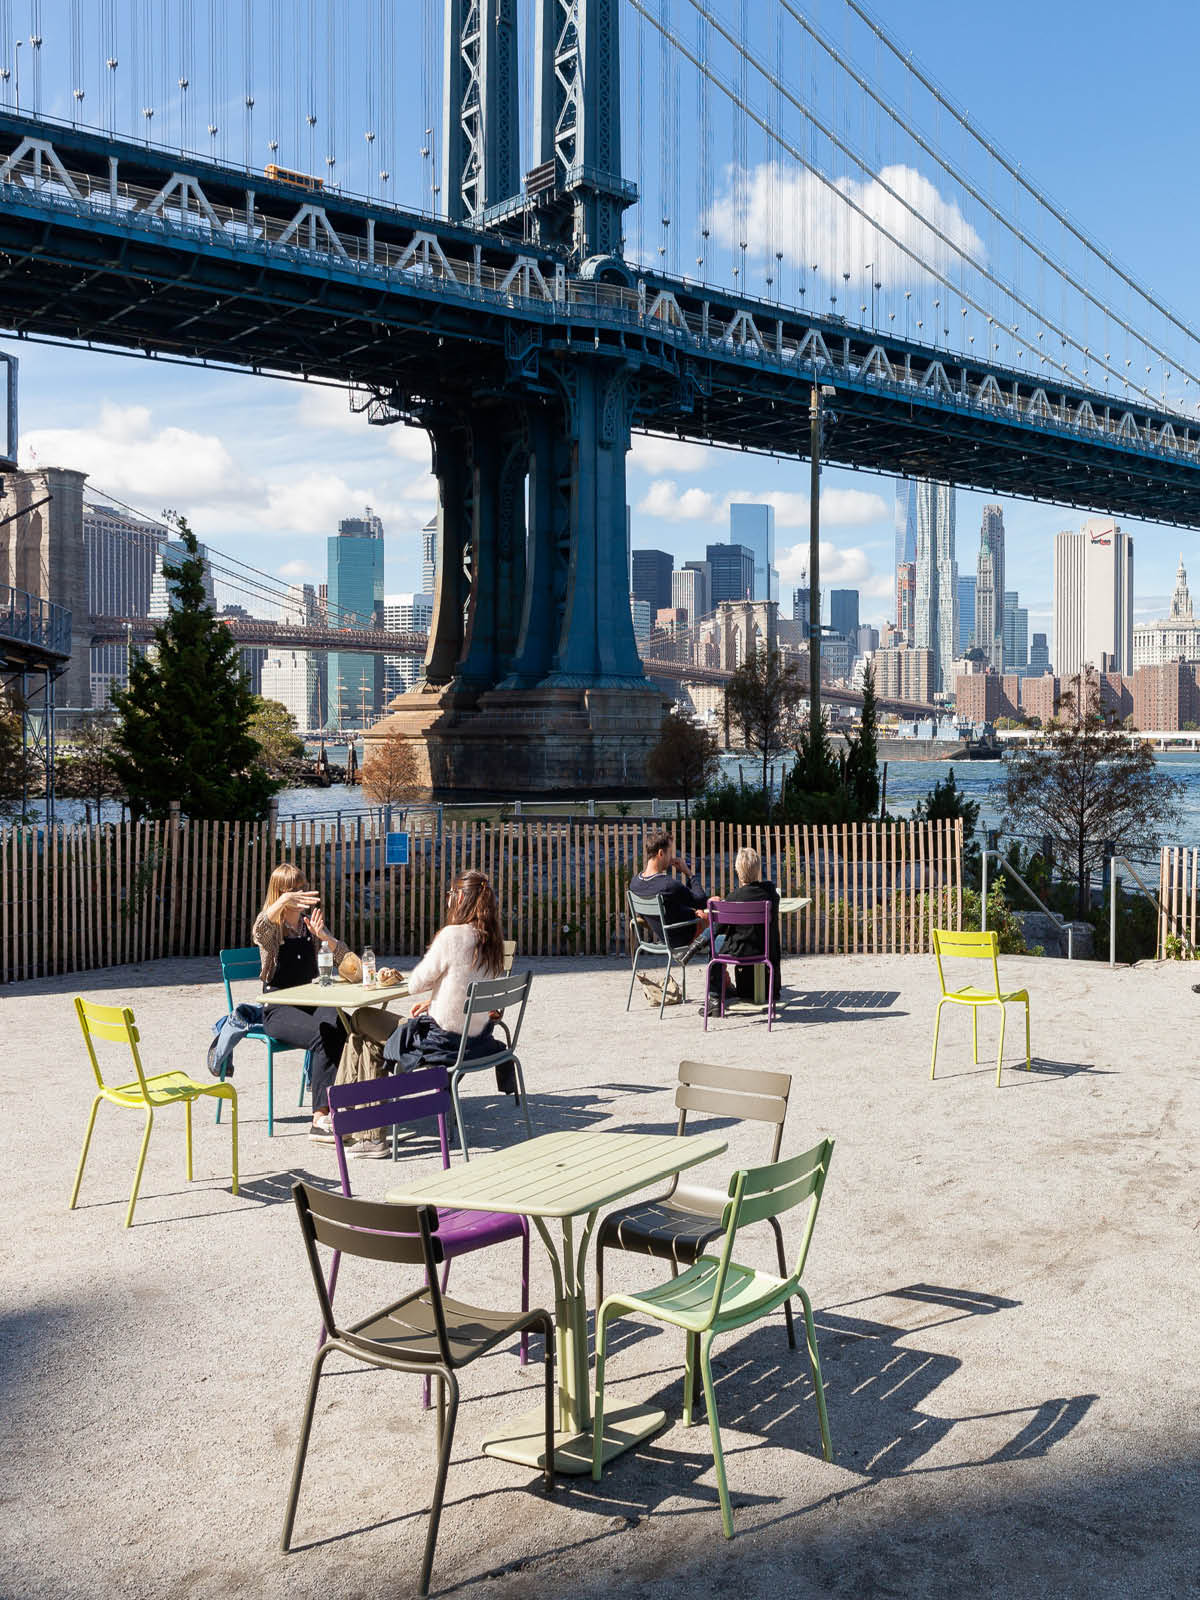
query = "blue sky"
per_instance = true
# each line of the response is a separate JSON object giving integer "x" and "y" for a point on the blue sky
{"x": 1101, "y": 112}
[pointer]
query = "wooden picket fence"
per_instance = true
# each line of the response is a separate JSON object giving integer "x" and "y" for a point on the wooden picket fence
{"x": 75, "y": 898}
{"x": 1178, "y": 901}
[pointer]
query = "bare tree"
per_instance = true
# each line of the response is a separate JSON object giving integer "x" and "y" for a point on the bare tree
{"x": 762, "y": 699}
{"x": 390, "y": 773}
{"x": 1087, "y": 787}
{"x": 685, "y": 759}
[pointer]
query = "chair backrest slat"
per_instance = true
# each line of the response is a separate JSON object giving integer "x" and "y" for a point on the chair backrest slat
{"x": 740, "y": 913}
{"x": 404, "y": 1249}
{"x": 237, "y": 965}
{"x": 497, "y": 994}
{"x": 383, "y": 1102}
{"x": 115, "y": 1024}
{"x": 967, "y": 947}
{"x": 749, "y": 1094}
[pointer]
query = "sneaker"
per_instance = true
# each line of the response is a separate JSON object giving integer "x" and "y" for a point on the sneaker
{"x": 369, "y": 1150}
{"x": 321, "y": 1131}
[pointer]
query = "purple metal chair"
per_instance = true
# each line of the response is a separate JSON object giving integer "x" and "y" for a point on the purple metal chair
{"x": 739, "y": 913}
{"x": 399, "y": 1100}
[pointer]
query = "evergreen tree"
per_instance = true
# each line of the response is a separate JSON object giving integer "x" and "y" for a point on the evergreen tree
{"x": 862, "y": 764}
{"x": 184, "y": 729}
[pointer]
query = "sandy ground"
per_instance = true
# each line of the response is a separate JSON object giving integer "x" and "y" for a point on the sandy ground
{"x": 1005, "y": 1283}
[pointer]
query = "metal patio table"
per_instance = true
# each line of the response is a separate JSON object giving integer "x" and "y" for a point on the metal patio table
{"x": 342, "y": 996}
{"x": 561, "y": 1177}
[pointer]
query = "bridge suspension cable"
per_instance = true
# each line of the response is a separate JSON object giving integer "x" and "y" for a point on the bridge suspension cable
{"x": 745, "y": 109}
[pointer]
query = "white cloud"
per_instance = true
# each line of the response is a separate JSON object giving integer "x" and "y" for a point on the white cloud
{"x": 324, "y": 406}
{"x": 297, "y": 570}
{"x": 410, "y": 444}
{"x": 840, "y": 508}
{"x": 128, "y": 456}
{"x": 788, "y": 209}
{"x": 657, "y": 455}
{"x": 665, "y": 500}
{"x": 848, "y": 567}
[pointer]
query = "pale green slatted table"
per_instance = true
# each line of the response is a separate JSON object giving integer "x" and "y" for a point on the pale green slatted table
{"x": 559, "y": 1177}
{"x": 344, "y": 997}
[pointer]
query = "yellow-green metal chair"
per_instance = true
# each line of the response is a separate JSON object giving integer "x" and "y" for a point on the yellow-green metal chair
{"x": 717, "y": 1295}
{"x": 975, "y": 947}
{"x": 116, "y": 1024}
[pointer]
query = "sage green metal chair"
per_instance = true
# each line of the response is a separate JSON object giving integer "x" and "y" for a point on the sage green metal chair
{"x": 975, "y": 947}
{"x": 718, "y": 1295}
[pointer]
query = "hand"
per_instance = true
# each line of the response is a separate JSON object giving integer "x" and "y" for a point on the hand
{"x": 418, "y": 1008}
{"x": 680, "y": 865}
{"x": 315, "y": 922}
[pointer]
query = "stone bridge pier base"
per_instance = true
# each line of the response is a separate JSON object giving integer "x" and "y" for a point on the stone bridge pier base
{"x": 533, "y": 683}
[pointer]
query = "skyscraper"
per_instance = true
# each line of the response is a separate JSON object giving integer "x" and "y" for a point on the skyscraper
{"x": 1093, "y": 599}
{"x": 119, "y": 550}
{"x": 843, "y": 613}
{"x": 1016, "y": 633}
{"x": 800, "y": 607}
{"x": 966, "y": 613}
{"x": 429, "y": 553}
{"x": 754, "y": 526}
{"x": 355, "y": 601}
{"x": 1039, "y": 656}
{"x": 935, "y": 601}
{"x": 405, "y": 613}
{"x": 689, "y": 589}
{"x": 162, "y": 590}
{"x": 652, "y": 577}
{"x": 906, "y": 588}
{"x": 989, "y": 587}
{"x": 906, "y": 521}
{"x": 731, "y": 571}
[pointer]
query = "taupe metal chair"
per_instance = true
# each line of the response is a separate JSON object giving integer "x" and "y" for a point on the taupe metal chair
{"x": 423, "y": 1332}
{"x": 484, "y": 996}
{"x": 678, "y": 1226}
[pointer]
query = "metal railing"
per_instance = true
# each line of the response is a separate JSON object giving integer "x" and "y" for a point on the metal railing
{"x": 1007, "y": 866}
{"x": 28, "y": 619}
{"x": 1115, "y": 865}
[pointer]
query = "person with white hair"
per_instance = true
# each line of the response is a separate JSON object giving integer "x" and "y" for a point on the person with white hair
{"x": 747, "y": 940}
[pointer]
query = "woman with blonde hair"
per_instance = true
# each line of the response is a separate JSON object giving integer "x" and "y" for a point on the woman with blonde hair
{"x": 746, "y": 940}
{"x": 289, "y": 930}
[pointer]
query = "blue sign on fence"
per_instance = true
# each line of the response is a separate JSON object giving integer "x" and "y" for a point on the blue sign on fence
{"x": 395, "y": 850}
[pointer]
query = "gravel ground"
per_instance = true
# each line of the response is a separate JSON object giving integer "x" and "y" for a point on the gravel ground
{"x": 1005, "y": 1286}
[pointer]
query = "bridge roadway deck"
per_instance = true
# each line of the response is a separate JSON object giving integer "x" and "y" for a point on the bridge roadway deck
{"x": 101, "y": 243}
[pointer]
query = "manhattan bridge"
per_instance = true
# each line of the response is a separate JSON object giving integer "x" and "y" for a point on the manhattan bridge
{"x": 697, "y": 219}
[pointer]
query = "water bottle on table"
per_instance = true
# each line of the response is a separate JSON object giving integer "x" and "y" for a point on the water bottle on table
{"x": 368, "y": 966}
{"x": 324, "y": 965}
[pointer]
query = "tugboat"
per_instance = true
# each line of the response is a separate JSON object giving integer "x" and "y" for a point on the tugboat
{"x": 985, "y": 748}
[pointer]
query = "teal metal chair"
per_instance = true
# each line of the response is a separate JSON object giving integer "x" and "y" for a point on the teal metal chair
{"x": 236, "y": 967}
{"x": 718, "y": 1295}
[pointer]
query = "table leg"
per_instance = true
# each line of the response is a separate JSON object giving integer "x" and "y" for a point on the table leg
{"x": 523, "y": 1438}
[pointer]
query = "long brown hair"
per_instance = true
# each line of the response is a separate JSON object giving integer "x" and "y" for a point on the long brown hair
{"x": 286, "y": 878}
{"x": 473, "y": 904}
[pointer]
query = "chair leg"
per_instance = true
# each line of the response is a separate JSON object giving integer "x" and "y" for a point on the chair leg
{"x": 305, "y": 1077}
{"x": 689, "y": 1378}
{"x": 524, "y": 1097}
{"x": 599, "y": 1284}
{"x": 270, "y": 1091}
{"x": 187, "y": 1106}
{"x": 707, "y": 993}
{"x": 783, "y": 1272}
{"x": 233, "y": 1133}
{"x": 427, "y": 1380}
{"x": 1028, "y": 1057}
{"x": 525, "y": 1294}
{"x": 770, "y": 999}
{"x": 1000, "y": 1052}
{"x": 632, "y": 981}
{"x": 814, "y": 1361}
{"x": 220, "y": 1079}
{"x": 975, "y": 1034}
{"x": 714, "y": 1428}
{"x": 937, "y": 1022}
{"x": 83, "y": 1154}
{"x": 310, "y": 1404}
{"x": 445, "y": 1445}
{"x": 137, "y": 1177}
{"x": 458, "y": 1121}
{"x": 598, "y": 1403}
{"x": 662, "y": 1004}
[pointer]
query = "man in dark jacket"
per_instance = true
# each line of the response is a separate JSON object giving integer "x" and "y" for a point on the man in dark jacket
{"x": 684, "y": 898}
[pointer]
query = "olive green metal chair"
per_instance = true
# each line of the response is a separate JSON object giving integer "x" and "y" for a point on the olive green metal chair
{"x": 148, "y": 1094}
{"x": 679, "y": 1226}
{"x": 717, "y": 1295}
{"x": 975, "y": 947}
